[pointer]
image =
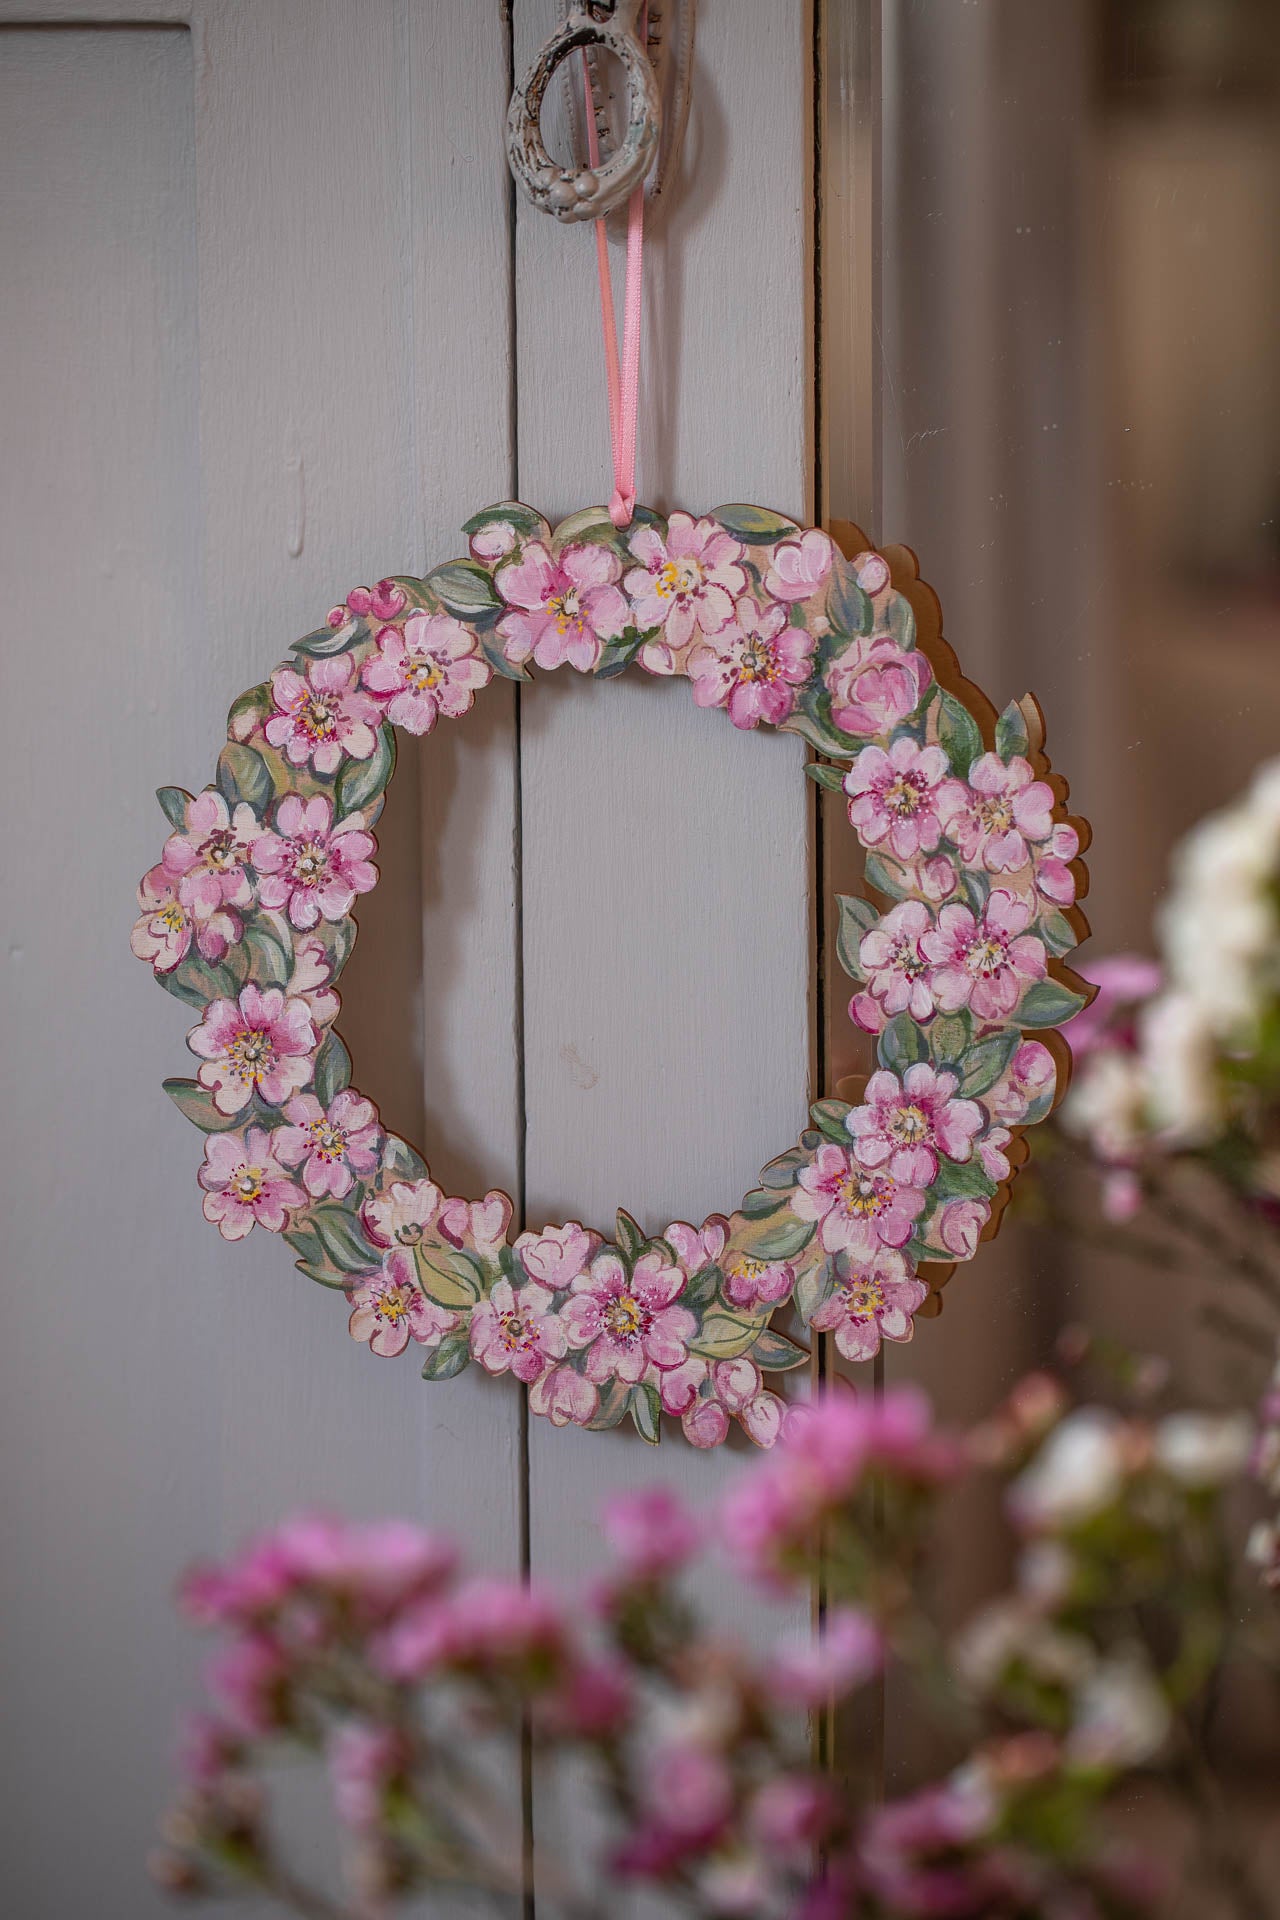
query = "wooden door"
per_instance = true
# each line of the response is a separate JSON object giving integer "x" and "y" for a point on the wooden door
{"x": 272, "y": 325}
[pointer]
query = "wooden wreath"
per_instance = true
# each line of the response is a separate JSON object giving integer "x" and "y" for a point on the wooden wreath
{"x": 973, "y": 870}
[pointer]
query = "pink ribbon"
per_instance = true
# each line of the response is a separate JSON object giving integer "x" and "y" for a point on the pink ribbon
{"x": 623, "y": 379}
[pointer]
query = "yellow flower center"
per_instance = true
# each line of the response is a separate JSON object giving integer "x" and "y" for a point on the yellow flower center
{"x": 984, "y": 956}
{"x": 394, "y": 1304}
{"x": 517, "y": 1332}
{"x": 862, "y": 1298}
{"x": 317, "y": 718}
{"x": 309, "y": 864}
{"x": 172, "y": 918}
{"x": 248, "y": 1184}
{"x": 996, "y": 815}
{"x": 623, "y": 1316}
{"x": 910, "y": 1125}
{"x": 903, "y": 795}
{"x": 861, "y": 1193}
{"x": 251, "y": 1054}
{"x": 756, "y": 662}
{"x": 678, "y": 577}
{"x": 423, "y": 673}
{"x": 567, "y": 608}
{"x": 328, "y": 1141}
{"x": 219, "y": 850}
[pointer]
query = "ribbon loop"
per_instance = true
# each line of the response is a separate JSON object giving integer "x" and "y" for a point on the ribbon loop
{"x": 622, "y": 379}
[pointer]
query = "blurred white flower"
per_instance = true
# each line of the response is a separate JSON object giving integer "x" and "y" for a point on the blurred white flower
{"x": 1179, "y": 1054}
{"x": 1078, "y": 1471}
{"x": 1106, "y": 1104}
{"x": 1121, "y": 1719}
{"x": 1204, "y": 1449}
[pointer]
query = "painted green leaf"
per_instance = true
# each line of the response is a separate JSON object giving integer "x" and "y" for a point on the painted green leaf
{"x": 448, "y": 1359}
{"x": 398, "y": 1157}
{"x": 825, "y": 776}
{"x": 958, "y": 1180}
{"x": 948, "y": 1038}
{"x": 525, "y": 522}
{"x": 196, "y": 1103}
{"x": 975, "y": 886}
{"x": 247, "y": 710}
{"x": 958, "y": 732}
{"x": 646, "y": 1412}
{"x": 781, "y": 1239}
{"x": 615, "y": 1399}
{"x": 814, "y": 1285}
{"x": 701, "y": 1288}
{"x": 338, "y": 1231}
{"x": 848, "y": 607}
{"x": 333, "y": 1068}
{"x": 780, "y": 1174}
{"x": 465, "y": 590}
{"x": 444, "y": 1278}
{"x": 629, "y": 1237}
{"x": 884, "y": 877}
{"x": 774, "y": 1353}
{"x": 902, "y": 1044}
{"x": 857, "y": 917}
{"x": 361, "y": 781}
{"x": 756, "y": 525}
{"x": 270, "y": 963}
{"x": 812, "y": 723}
{"x": 1048, "y": 1004}
{"x": 327, "y": 641}
{"x": 196, "y": 982}
{"x": 759, "y": 1204}
{"x": 901, "y": 621}
{"x": 829, "y": 1117}
{"x": 244, "y": 775}
{"x": 1011, "y": 732}
{"x": 616, "y": 655}
{"x": 1057, "y": 933}
{"x": 491, "y": 647}
{"x": 986, "y": 1060}
{"x": 173, "y": 805}
{"x": 323, "y": 1275}
{"x": 723, "y": 1336}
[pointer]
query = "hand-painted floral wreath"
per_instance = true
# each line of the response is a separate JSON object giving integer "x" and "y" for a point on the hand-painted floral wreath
{"x": 248, "y": 917}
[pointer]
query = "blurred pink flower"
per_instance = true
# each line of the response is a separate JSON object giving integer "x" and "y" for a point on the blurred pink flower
{"x": 1124, "y": 981}
{"x": 810, "y": 1672}
{"x": 363, "y": 1762}
{"x": 651, "y": 1533}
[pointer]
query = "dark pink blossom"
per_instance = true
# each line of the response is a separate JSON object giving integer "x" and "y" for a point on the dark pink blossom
{"x": 333, "y": 1147}
{"x": 207, "y": 861}
{"x": 628, "y": 1322}
{"x": 245, "y": 1185}
{"x": 875, "y": 1297}
{"x": 753, "y": 665}
{"x": 432, "y": 665}
{"x": 263, "y": 1043}
{"x": 875, "y": 686}
{"x": 893, "y": 797}
{"x": 561, "y": 609}
{"x": 904, "y": 1124}
{"x": 382, "y": 602}
{"x": 652, "y": 1533}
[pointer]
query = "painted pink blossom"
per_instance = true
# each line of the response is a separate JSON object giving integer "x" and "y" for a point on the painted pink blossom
{"x": 207, "y": 861}
{"x": 703, "y": 1397}
{"x": 753, "y": 665}
{"x": 994, "y": 816}
{"x": 561, "y": 609}
{"x": 799, "y": 568}
{"x": 517, "y": 1332}
{"x": 1026, "y": 1086}
{"x": 556, "y": 1256}
{"x": 389, "y": 1309}
{"x": 308, "y": 866}
{"x": 263, "y": 1043}
{"x": 938, "y": 878}
{"x": 1053, "y": 875}
{"x": 333, "y": 1148}
{"x": 492, "y": 542}
{"x": 324, "y": 718}
{"x": 698, "y": 1247}
{"x": 483, "y": 1222}
{"x": 382, "y": 602}
{"x": 871, "y": 571}
{"x": 245, "y": 1185}
{"x": 685, "y": 585}
{"x": 959, "y": 1226}
{"x": 432, "y": 665}
{"x": 750, "y": 1283}
{"x": 988, "y": 964}
{"x": 706, "y": 1424}
{"x": 401, "y": 1214}
{"x": 565, "y": 1397}
{"x": 993, "y": 1155}
{"x": 904, "y": 1124}
{"x": 739, "y": 1386}
{"x": 856, "y": 1207}
{"x": 893, "y": 797}
{"x": 897, "y": 973}
{"x": 875, "y": 1297}
{"x": 628, "y": 1322}
{"x": 874, "y": 686}
{"x": 163, "y": 934}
